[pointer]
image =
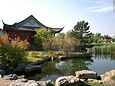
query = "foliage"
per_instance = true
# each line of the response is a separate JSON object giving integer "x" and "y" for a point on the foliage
{"x": 12, "y": 52}
{"x": 96, "y": 38}
{"x": 66, "y": 43}
{"x": 59, "y": 40}
{"x": 104, "y": 49}
{"x": 42, "y": 38}
{"x": 81, "y": 32}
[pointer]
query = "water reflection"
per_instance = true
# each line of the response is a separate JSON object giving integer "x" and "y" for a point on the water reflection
{"x": 52, "y": 70}
{"x": 100, "y": 63}
{"x": 105, "y": 52}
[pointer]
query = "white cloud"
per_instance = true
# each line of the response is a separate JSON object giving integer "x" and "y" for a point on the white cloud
{"x": 102, "y": 9}
{"x": 101, "y": 6}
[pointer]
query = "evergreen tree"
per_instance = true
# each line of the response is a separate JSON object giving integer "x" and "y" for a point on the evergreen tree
{"x": 81, "y": 32}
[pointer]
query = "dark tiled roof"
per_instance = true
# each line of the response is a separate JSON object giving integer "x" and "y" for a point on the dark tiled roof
{"x": 16, "y": 26}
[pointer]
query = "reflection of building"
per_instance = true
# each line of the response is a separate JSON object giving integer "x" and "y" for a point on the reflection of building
{"x": 25, "y": 29}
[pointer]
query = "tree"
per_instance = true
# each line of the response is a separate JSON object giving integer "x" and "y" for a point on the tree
{"x": 81, "y": 32}
{"x": 96, "y": 38}
{"x": 66, "y": 43}
{"x": 43, "y": 38}
{"x": 12, "y": 52}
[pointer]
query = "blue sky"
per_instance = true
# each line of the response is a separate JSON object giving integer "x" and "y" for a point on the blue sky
{"x": 59, "y": 13}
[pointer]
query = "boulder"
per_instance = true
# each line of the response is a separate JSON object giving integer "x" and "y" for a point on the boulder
{"x": 32, "y": 68}
{"x": 11, "y": 77}
{"x": 45, "y": 83}
{"x": 31, "y": 83}
{"x": 19, "y": 68}
{"x": 1, "y": 65}
{"x": 25, "y": 82}
{"x": 108, "y": 75}
{"x": 86, "y": 74}
{"x": 109, "y": 78}
{"x": 66, "y": 79}
{"x": 2, "y": 72}
{"x": 19, "y": 82}
{"x": 0, "y": 76}
{"x": 94, "y": 81}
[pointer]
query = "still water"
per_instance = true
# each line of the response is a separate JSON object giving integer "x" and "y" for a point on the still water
{"x": 54, "y": 69}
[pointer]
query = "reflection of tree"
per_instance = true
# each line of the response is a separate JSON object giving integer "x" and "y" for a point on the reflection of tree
{"x": 65, "y": 67}
{"x": 51, "y": 70}
{"x": 70, "y": 66}
{"x": 104, "y": 52}
{"x": 48, "y": 69}
{"x": 111, "y": 57}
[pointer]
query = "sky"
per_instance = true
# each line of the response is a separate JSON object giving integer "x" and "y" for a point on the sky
{"x": 62, "y": 13}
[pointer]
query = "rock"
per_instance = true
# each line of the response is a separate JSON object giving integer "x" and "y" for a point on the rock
{"x": 86, "y": 74}
{"x": 19, "y": 82}
{"x": 0, "y": 76}
{"x": 66, "y": 79}
{"x": 1, "y": 65}
{"x": 108, "y": 75}
{"x": 31, "y": 83}
{"x": 82, "y": 80}
{"x": 21, "y": 77}
{"x": 11, "y": 77}
{"x": 2, "y": 72}
{"x": 20, "y": 68}
{"x": 45, "y": 83}
{"x": 22, "y": 80}
{"x": 60, "y": 80}
{"x": 108, "y": 78}
{"x": 73, "y": 80}
{"x": 95, "y": 81}
{"x": 32, "y": 68}
{"x": 25, "y": 82}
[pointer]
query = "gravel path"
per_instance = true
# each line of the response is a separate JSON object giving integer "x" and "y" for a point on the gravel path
{"x": 4, "y": 82}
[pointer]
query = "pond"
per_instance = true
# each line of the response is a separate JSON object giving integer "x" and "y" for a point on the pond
{"x": 54, "y": 69}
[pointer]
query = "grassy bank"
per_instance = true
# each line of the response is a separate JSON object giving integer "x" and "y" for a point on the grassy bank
{"x": 104, "y": 49}
{"x": 34, "y": 56}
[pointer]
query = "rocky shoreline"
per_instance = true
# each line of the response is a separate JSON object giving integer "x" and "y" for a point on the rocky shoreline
{"x": 79, "y": 77}
{"x": 12, "y": 79}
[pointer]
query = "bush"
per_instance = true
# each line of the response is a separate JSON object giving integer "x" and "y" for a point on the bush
{"x": 12, "y": 52}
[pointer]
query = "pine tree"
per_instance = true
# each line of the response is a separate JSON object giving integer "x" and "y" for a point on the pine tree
{"x": 81, "y": 32}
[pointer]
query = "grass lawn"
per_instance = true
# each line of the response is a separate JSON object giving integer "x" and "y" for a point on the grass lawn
{"x": 33, "y": 59}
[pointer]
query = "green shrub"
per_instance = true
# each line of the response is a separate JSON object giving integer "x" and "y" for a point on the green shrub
{"x": 12, "y": 52}
{"x": 12, "y": 55}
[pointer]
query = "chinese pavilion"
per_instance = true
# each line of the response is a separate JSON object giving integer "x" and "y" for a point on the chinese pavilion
{"x": 25, "y": 29}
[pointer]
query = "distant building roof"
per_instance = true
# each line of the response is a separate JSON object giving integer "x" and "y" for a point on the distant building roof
{"x": 30, "y": 24}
